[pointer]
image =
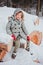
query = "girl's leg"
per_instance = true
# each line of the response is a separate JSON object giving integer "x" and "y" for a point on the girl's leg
{"x": 17, "y": 45}
{"x": 25, "y": 45}
{"x": 25, "y": 37}
{"x": 28, "y": 42}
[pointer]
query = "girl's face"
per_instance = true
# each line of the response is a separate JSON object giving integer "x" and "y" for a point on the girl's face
{"x": 18, "y": 16}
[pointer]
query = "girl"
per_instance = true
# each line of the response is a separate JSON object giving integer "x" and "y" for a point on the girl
{"x": 16, "y": 29}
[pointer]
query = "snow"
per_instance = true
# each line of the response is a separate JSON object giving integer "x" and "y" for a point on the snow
{"x": 37, "y": 51}
{"x": 23, "y": 57}
{"x": 4, "y": 37}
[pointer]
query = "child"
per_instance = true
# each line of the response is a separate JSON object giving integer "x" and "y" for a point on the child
{"x": 16, "y": 29}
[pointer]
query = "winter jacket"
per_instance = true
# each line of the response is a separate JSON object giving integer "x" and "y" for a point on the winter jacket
{"x": 16, "y": 27}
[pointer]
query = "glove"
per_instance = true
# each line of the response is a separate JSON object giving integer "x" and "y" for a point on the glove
{"x": 28, "y": 38}
{"x": 13, "y": 36}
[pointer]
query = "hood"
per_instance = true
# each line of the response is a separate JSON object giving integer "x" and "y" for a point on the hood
{"x": 16, "y": 11}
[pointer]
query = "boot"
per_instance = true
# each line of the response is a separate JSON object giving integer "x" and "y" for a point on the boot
{"x": 13, "y": 55}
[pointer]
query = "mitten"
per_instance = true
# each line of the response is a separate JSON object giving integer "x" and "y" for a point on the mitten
{"x": 28, "y": 38}
{"x": 13, "y": 36}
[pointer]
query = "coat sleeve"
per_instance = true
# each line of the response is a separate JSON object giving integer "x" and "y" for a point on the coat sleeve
{"x": 24, "y": 29}
{"x": 8, "y": 27}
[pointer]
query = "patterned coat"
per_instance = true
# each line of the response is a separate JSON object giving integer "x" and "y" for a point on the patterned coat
{"x": 16, "y": 27}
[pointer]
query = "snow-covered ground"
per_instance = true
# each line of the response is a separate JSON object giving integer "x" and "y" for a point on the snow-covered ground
{"x": 23, "y": 57}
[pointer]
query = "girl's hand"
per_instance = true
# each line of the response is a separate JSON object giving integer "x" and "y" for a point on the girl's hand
{"x": 13, "y": 36}
{"x": 28, "y": 38}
